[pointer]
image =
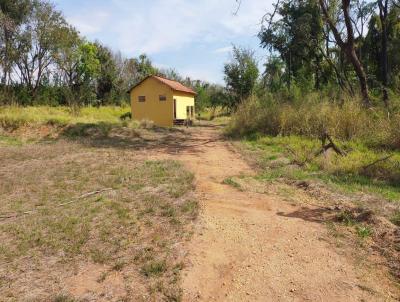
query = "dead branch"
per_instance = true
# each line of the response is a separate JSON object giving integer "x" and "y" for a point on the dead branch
{"x": 239, "y": 4}
{"x": 84, "y": 196}
{"x": 377, "y": 161}
{"x": 16, "y": 215}
{"x": 331, "y": 144}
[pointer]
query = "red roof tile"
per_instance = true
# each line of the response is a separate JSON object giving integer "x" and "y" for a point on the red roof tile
{"x": 174, "y": 85}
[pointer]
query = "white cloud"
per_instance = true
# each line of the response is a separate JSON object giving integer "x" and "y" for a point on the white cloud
{"x": 204, "y": 74}
{"x": 223, "y": 49}
{"x": 88, "y": 26}
{"x": 165, "y": 25}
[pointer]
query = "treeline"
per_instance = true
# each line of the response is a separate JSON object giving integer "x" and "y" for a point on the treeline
{"x": 326, "y": 45}
{"x": 333, "y": 47}
{"x": 333, "y": 67}
{"x": 44, "y": 60}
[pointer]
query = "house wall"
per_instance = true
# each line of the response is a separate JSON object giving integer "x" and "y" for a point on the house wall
{"x": 182, "y": 101}
{"x": 160, "y": 112}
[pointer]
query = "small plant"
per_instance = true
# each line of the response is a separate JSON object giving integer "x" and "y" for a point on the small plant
{"x": 119, "y": 265}
{"x": 126, "y": 116}
{"x": 99, "y": 256}
{"x": 346, "y": 217}
{"x": 190, "y": 207}
{"x": 102, "y": 277}
{"x": 63, "y": 298}
{"x": 363, "y": 231}
{"x": 229, "y": 181}
{"x": 154, "y": 268}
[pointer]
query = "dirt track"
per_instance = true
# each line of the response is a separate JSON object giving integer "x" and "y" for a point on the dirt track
{"x": 247, "y": 246}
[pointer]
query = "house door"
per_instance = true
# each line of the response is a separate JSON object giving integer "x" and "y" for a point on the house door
{"x": 174, "y": 109}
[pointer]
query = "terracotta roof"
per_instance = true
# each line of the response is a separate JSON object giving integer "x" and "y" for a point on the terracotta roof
{"x": 174, "y": 85}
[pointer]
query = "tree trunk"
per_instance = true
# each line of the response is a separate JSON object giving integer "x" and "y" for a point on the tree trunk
{"x": 362, "y": 77}
{"x": 348, "y": 46}
{"x": 383, "y": 7}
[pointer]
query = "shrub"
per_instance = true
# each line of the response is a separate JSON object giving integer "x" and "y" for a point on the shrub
{"x": 311, "y": 117}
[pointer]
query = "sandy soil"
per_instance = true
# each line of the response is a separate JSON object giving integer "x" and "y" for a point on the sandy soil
{"x": 249, "y": 246}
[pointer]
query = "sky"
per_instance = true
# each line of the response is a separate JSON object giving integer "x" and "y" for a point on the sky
{"x": 194, "y": 37}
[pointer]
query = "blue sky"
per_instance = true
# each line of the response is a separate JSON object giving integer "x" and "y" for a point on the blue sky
{"x": 192, "y": 36}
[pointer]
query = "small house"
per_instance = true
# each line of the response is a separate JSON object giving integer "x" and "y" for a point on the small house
{"x": 163, "y": 101}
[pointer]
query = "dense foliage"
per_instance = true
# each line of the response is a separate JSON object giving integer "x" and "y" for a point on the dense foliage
{"x": 334, "y": 46}
{"x": 326, "y": 59}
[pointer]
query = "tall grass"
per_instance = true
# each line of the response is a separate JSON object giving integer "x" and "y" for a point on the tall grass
{"x": 13, "y": 117}
{"x": 345, "y": 120}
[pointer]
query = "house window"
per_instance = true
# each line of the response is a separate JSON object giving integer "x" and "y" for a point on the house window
{"x": 142, "y": 98}
{"x": 163, "y": 98}
{"x": 191, "y": 111}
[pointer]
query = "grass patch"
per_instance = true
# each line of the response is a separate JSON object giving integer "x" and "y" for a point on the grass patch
{"x": 9, "y": 141}
{"x": 13, "y": 117}
{"x": 119, "y": 230}
{"x": 154, "y": 268}
{"x": 363, "y": 231}
{"x": 231, "y": 182}
{"x": 294, "y": 157}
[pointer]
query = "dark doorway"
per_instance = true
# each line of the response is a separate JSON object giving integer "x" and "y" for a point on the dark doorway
{"x": 174, "y": 109}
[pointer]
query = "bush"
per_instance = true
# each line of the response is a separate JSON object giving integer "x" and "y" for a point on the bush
{"x": 311, "y": 117}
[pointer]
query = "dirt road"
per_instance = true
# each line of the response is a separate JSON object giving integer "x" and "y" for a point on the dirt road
{"x": 248, "y": 248}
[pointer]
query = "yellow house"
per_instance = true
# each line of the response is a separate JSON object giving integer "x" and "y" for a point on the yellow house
{"x": 163, "y": 101}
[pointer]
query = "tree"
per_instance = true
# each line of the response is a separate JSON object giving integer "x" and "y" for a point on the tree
{"x": 144, "y": 67}
{"x": 273, "y": 73}
{"x": 13, "y": 14}
{"x": 241, "y": 75}
{"x": 88, "y": 70}
{"x": 37, "y": 44}
{"x": 347, "y": 44}
{"x": 297, "y": 37}
{"x": 67, "y": 59}
{"x": 107, "y": 79}
{"x": 79, "y": 69}
{"x": 383, "y": 6}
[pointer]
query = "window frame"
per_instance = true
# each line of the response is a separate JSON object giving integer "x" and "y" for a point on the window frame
{"x": 162, "y": 98}
{"x": 141, "y": 98}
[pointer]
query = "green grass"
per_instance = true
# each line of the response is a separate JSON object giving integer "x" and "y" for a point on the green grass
{"x": 10, "y": 141}
{"x": 231, "y": 182}
{"x": 363, "y": 231}
{"x": 344, "y": 173}
{"x": 154, "y": 268}
{"x": 12, "y": 117}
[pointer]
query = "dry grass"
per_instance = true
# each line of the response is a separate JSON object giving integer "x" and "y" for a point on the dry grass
{"x": 13, "y": 117}
{"x": 129, "y": 238}
{"x": 312, "y": 116}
